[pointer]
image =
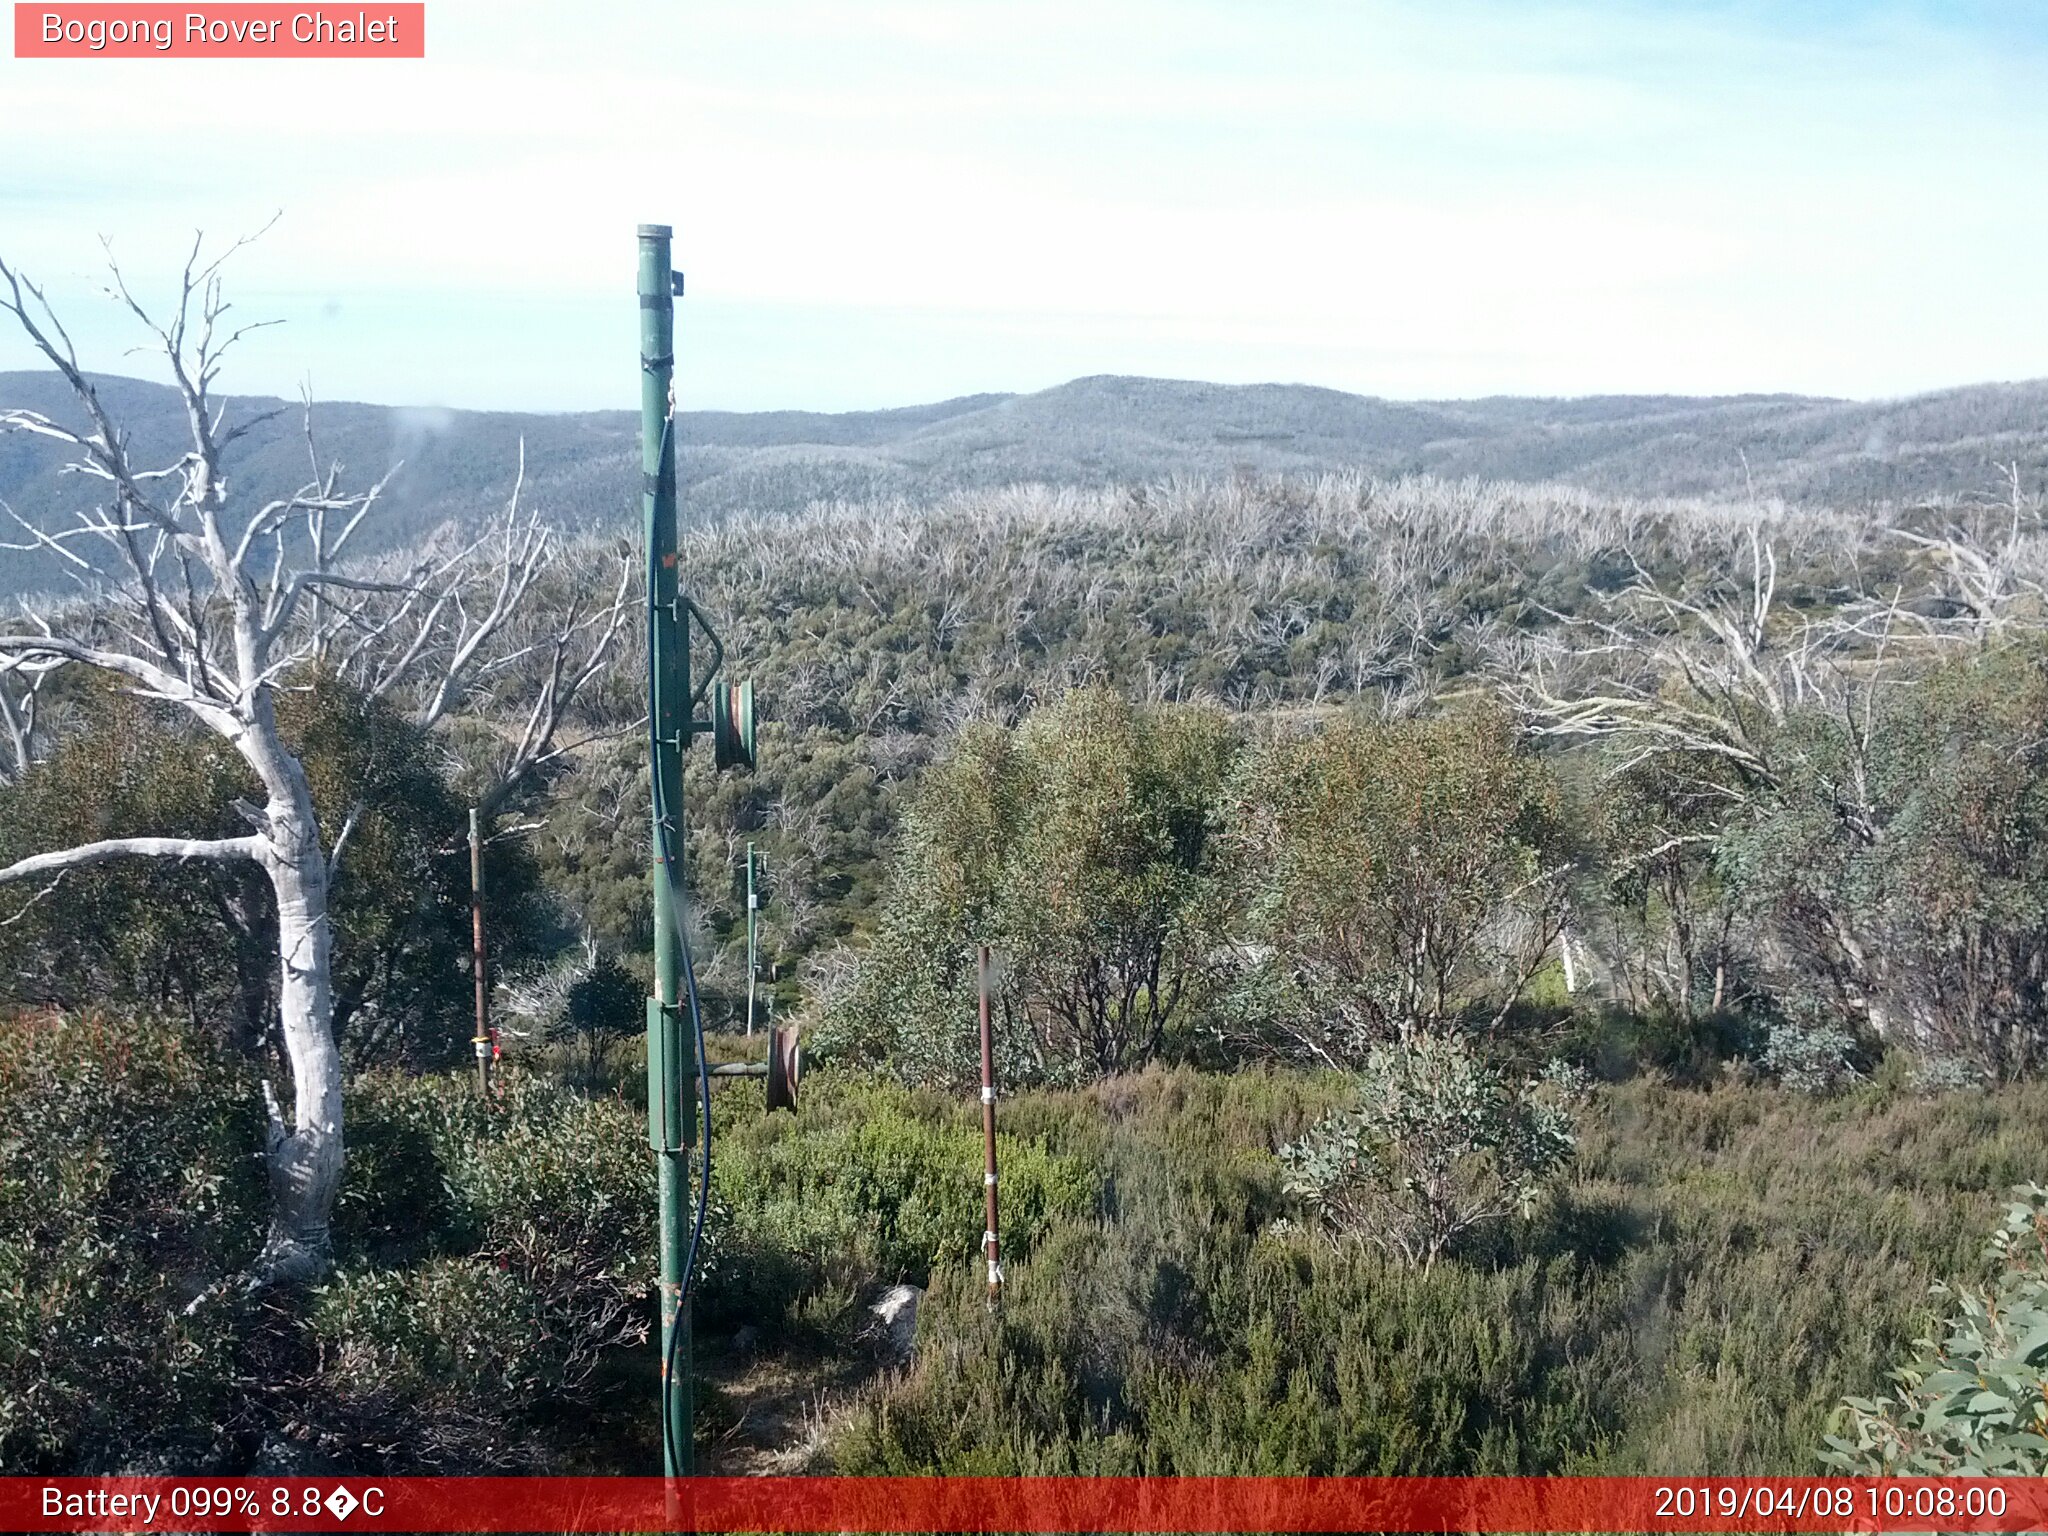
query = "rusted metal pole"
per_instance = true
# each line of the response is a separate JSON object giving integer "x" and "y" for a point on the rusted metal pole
{"x": 482, "y": 1040}
{"x": 991, "y": 1246}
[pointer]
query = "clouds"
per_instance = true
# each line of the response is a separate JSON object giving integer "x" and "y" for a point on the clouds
{"x": 1405, "y": 198}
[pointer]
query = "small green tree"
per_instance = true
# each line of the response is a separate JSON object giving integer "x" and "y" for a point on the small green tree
{"x": 158, "y": 935}
{"x": 1667, "y": 912}
{"x": 1437, "y": 1143}
{"x": 1976, "y": 1403}
{"x": 1404, "y": 877}
{"x": 1079, "y": 847}
{"x": 604, "y": 1003}
{"x": 1899, "y": 863}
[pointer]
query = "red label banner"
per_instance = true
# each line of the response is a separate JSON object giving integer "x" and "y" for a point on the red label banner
{"x": 220, "y": 31}
{"x": 1050, "y": 1504}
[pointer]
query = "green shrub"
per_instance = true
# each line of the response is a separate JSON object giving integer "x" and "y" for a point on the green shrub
{"x": 1976, "y": 1403}
{"x": 1816, "y": 1059}
{"x": 1078, "y": 846}
{"x": 1435, "y": 1144}
{"x": 129, "y": 1184}
{"x": 1402, "y": 876}
{"x": 536, "y": 1177}
{"x": 1175, "y": 1332}
{"x": 1898, "y": 861}
{"x": 870, "y": 1183}
{"x": 1718, "y": 1270}
{"x": 445, "y": 1328}
{"x": 497, "y": 1253}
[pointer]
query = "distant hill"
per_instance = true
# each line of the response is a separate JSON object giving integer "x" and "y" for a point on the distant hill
{"x": 584, "y": 468}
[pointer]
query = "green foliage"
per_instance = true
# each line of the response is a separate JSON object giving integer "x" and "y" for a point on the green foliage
{"x": 604, "y": 1000}
{"x": 533, "y": 1166}
{"x": 401, "y": 901}
{"x": 873, "y": 632}
{"x": 1815, "y": 1059}
{"x": 1079, "y": 848}
{"x": 1665, "y": 909}
{"x": 128, "y": 1185}
{"x": 155, "y": 934}
{"x": 200, "y": 939}
{"x": 1435, "y": 1144}
{"x": 1976, "y": 1403}
{"x": 1901, "y": 864}
{"x": 870, "y": 1184}
{"x": 1719, "y": 1270}
{"x": 495, "y": 1253}
{"x": 1720, "y": 1267}
{"x": 1404, "y": 876}
{"x": 437, "y": 1360}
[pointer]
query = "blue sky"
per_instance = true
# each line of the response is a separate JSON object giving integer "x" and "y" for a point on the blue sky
{"x": 889, "y": 202}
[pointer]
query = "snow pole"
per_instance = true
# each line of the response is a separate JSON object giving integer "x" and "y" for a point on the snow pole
{"x": 481, "y": 1042}
{"x": 991, "y": 1244}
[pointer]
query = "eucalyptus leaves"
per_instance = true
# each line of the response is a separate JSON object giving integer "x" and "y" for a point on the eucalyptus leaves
{"x": 1438, "y": 1142}
{"x": 1976, "y": 1404}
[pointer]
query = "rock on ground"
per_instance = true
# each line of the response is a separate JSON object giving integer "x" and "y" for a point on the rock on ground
{"x": 896, "y": 1318}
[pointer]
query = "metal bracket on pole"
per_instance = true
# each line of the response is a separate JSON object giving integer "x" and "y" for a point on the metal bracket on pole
{"x": 671, "y": 1066}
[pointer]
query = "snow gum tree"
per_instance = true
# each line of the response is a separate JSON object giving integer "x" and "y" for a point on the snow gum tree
{"x": 190, "y": 598}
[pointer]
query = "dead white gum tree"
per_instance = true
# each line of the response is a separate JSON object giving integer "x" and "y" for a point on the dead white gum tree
{"x": 211, "y": 610}
{"x": 1697, "y": 688}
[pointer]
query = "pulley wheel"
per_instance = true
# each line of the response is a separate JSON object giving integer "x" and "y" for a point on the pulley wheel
{"x": 732, "y": 724}
{"x": 785, "y": 1066}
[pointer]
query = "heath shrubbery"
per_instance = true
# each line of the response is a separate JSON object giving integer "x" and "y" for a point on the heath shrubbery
{"x": 1702, "y": 1285}
{"x": 523, "y": 1230}
{"x": 1435, "y": 1144}
{"x": 870, "y": 1184}
{"x": 491, "y": 1255}
{"x": 128, "y": 1185}
{"x": 1973, "y": 1402}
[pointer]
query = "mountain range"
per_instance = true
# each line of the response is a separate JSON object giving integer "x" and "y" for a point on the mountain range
{"x": 583, "y": 468}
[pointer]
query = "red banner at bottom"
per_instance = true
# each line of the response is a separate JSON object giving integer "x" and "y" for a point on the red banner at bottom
{"x": 1052, "y": 1504}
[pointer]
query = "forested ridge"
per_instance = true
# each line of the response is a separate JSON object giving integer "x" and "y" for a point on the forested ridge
{"x": 1088, "y": 433}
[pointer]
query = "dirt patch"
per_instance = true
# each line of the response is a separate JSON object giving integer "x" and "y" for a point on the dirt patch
{"x": 774, "y": 1413}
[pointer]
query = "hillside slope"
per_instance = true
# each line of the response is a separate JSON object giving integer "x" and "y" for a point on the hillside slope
{"x": 1090, "y": 432}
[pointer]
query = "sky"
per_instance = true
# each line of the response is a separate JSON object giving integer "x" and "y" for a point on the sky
{"x": 883, "y": 202}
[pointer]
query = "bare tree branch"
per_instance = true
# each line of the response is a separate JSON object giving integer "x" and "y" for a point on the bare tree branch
{"x": 180, "y": 848}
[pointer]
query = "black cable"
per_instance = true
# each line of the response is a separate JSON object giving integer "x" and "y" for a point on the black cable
{"x": 664, "y": 831}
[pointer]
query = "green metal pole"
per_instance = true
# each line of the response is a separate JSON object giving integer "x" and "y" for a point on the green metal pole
{"x": 671, "y": 1067}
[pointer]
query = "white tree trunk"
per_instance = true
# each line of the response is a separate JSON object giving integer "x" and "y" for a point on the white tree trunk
{"x": 213, "y": 621}
{"x": 305, "y": 1160}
